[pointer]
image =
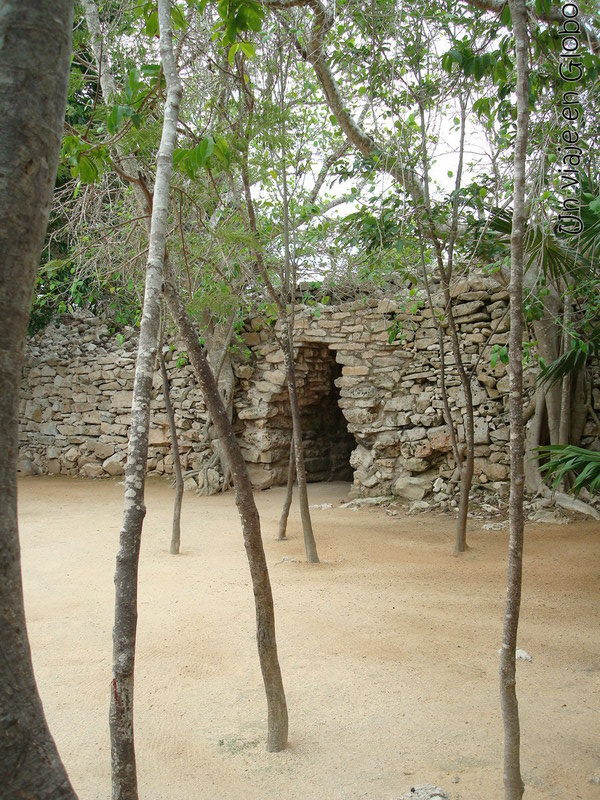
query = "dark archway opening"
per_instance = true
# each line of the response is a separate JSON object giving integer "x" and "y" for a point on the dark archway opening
{"x": 327, "y": 442}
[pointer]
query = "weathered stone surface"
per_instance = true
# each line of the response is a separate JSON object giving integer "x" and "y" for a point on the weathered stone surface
{"x": 412, "y": 488}
{"x": 159, "y": 436}
{"x": 92, "y": 471}
{"x": 115, "y": 465}
{"x": 121, "y": 399}
{"x": 78, "y": 380}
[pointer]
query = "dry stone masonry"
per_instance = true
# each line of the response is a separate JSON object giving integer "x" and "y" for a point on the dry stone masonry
{"x": 371, "y": 408}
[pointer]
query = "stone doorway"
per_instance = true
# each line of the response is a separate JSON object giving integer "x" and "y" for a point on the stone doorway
{"x": 327, "y": 442}
{"x": 265, "y": 427}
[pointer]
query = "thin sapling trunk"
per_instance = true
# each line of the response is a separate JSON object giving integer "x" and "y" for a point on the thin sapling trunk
{"x": 289, "y": 492}
{"x": 513, "y": 782}
{"x": 124, "y": 777}
{"x": 176, "y": 530}
{"x": 244, "y": 497}
{"x": 310, "y": 545}
{"x": 287, "y": 346}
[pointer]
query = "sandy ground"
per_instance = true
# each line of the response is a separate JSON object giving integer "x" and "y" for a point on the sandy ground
{"x": 388, "y": 650}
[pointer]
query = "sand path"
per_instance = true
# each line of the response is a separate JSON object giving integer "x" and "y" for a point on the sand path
{"x": 388, "y": 650}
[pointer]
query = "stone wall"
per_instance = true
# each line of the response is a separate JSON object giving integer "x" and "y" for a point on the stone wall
{"x": 76, "y": 400}
{"x": 372, "y": 410}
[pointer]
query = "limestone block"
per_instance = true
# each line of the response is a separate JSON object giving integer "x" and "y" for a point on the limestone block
{"x": 361, "y": 458}
{"x": 92, "y": 417}
{"x": 92, "y": 470}
{"x": 500, "y": 434}
{"x": 402, "y": 403}
{"x": 482, "y": 431}
{"x": 102, "y": 450}
{"x": 415, "y": 434}
{"x": 260, "y": 475}
{"x": 361, "y": 390}
{"x": 121, "y": 400}
{"x": 72, "y": 454}
{"x": 358, "y": 415}
{"x": 355, "y": 370}
{"x": 111, "y": 428}
{"x": 416, "y": 465}
{"x": 440, "y": 440}
{"x": 412, "y": 488}
{"x": 494, "y": 472}
{"x": 243, "y": 371}
{"x": 371, "y": 480}
{"x": 115, "y": 464}
{"x": 26, "y": 466}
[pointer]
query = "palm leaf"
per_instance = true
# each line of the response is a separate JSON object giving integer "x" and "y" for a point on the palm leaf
{"x": 555, "y": 258}
{"x": 566, "y": 459}
{"x": 572, "y": 360}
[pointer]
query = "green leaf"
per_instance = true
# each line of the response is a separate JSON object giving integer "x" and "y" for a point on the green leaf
{"x": 151, "y": 24}
{"x": 505, "y": 17}
{"x": 594, "y": 206}
{"x": 54, "y": 265}
{"x": 204, "y": 150}
{"x": 150, "y": 70}
{"x": 232, "y": 51}
{"x": 178, "y": 18}
{"x": 248, "y": 49}
{"x": 87, "y": 169}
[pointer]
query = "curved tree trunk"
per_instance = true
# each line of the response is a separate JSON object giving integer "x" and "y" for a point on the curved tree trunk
{"x": 176, "y": 530}
{"x": 220, "y": 361}
{"x": 513, "y": 782}
{"x": 35, "y": 51}
{"x": 244, "y": 498}
{"x": 124, "y": 778}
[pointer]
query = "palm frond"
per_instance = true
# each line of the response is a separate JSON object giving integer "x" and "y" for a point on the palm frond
{"x": 566, "y": 459}
{"x": 572, "y": 360}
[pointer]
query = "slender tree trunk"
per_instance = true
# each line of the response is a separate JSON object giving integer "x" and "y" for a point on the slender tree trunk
{"x": 443, "y": 370}
{"x": 445, "y": 272}
{"x": 564, "y": 430}
{"x": 176, "y": 531}
{"x": 466, "y": 467}
{"x": 124, "y": 778}
{"x": 244, "y": 498}
{"x": 286, "y": 342}
{"x": 35, "y": 51}
{"x": 513, "y": 782}
{"x": 289, "y": 492}
{"x": 310, "y": 545}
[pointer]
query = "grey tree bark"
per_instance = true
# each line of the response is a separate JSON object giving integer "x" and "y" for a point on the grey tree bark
{"x": 124, "y": 777}
{"x": 289, "y": 492}
{"x": 513, "y": 782}
{"x": 277, "y": 709}
{"x": 35, "y": 51}
{"x": 464, "y": 466}
{"x": 263, "y": 597}
{"x": 286, "y": 343}
{"x": 176, "y": 529}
